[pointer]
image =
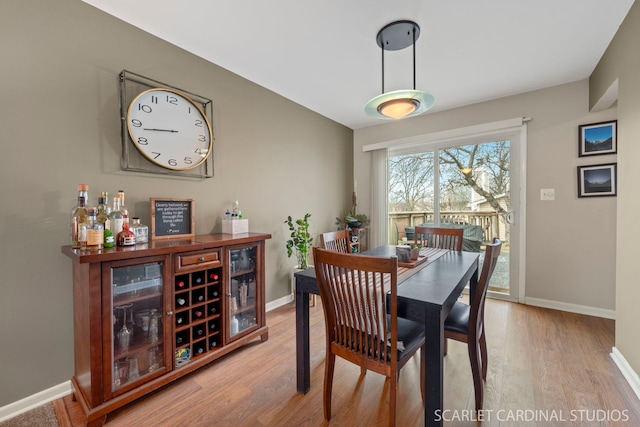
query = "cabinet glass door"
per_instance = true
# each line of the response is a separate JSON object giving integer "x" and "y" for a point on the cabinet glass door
{"x": 242, "y": 290}
{"x": 136, "y": 345}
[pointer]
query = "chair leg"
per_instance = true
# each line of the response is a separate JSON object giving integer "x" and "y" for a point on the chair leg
{"x": 393, "y": 386}
{"x": 422, "y": 360}
{"x": 474, "y": 358}
{"x": 329, "y": 365}
{"x": 483, "y": 355}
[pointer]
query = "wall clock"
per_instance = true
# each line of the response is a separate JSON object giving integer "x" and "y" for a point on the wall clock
{"x": 165, "y": 130}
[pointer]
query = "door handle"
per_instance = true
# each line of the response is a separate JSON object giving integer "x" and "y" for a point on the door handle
{"x": 510, "y": 218}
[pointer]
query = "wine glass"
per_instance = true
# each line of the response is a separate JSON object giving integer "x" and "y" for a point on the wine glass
{"x": 124, "y": 335}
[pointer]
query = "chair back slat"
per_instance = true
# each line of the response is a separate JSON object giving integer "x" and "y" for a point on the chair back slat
{"x": 488, "y": 266}
{"x": 436, "y": 237}
{"x": 337, "y": 241}
{"x": 357, "y": 286}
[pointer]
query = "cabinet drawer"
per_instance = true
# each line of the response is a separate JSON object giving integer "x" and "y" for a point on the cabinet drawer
{"x": 197, "y": 260}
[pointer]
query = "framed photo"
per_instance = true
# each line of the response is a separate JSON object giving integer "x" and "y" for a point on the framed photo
{"x": 597, "y": 180}
{"x": 597, "y": 139}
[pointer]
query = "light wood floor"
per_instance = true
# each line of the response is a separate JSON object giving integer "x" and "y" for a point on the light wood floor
{"x": 543, "y": 364}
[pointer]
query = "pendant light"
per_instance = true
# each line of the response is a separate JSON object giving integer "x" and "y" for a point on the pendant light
{"x": 399, "y": 104}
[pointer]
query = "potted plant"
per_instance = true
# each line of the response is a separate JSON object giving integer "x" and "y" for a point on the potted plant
{"x": 300, "y": 241}
{"x": 415, "y": 250}
{"x": 352, "y": 219}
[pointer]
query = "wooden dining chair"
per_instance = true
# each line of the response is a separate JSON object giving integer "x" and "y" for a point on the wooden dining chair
{"x": 361, "y": 325}
{"x": 438, "y": 237}
{"x": 337, "y": 241}
{"x": 465, "y": 322}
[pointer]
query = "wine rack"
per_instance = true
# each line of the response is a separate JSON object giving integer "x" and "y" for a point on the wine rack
{"x": 197, "y": 313}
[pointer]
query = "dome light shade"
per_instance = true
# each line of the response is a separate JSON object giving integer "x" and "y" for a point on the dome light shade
{"x": 400, "y": 103}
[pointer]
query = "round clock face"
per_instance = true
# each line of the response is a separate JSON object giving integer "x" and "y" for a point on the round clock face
{"x": 169, "y": 129}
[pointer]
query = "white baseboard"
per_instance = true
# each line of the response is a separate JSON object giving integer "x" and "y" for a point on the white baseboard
{"x": 279, "y": 302}
{"x": 35, "y": 400}
{"x": 572, "y": 308}
{"x": 627, "y": 371}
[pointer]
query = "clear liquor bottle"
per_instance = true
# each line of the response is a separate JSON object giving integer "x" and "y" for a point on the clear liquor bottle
{"x": 139, "y": 230}
{"x": 107, "y": 203}
{"x": 123, "y": 208}
{"x": 115, "y": 217}
{"x": 79, "y": 215}
{"x": 95, "y": 231}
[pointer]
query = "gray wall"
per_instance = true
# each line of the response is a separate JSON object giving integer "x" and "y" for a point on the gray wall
{"x": 622, "y": 62}
{"x": 570, "y": 242}
{"x": 60, "y": 126}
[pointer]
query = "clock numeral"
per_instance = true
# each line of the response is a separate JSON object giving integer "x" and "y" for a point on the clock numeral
{"x": 188, "y": 160}
{"x": 144, "y": 108}
{"x": 202, "y": 138}
{"x": 154, "y": 99}
{"x": 135, "y": 122}
{"x": 199, "y": 123}
{"x": 172, "y": 100}
{"x": 143, "y": 141}
{"x": 172, "y": 162}
{"x": 156, "y": 155}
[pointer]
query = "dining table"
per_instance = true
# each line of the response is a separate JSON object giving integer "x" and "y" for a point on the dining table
{"x": 426, "y": 294}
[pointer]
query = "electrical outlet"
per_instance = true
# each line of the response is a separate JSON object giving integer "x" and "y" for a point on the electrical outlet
{"x": 547, "y": 194}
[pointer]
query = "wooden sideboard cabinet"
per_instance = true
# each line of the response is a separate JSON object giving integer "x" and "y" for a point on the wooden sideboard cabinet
{"x": 147, "y": 315}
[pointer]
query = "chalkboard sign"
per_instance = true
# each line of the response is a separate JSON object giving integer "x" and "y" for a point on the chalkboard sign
{"x": 172, "y": 218}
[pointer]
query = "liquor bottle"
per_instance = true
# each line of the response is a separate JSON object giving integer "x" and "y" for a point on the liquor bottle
{"x": 115, "y": 217}
{"x": 180, "y": 284}
{"x": 107, "y": 203}
{"x": 181, "y": 301}
{"x": 123, "y": 208}
{"x": 234, "y": 327}
{"x": 212, "y": 310}
{"x": 213, "y": 276}
{"x": 139, "y": 230}
{"x": 213, "y": 343}
{"x": 101, "y": 213}
{"x": 125, "y": 237}
{"x": 95, "y": 231}
{"x": 79, "y": 215}
{"x": 198, "y": 313}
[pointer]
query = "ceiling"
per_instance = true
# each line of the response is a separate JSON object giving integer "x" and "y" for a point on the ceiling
{"x": 323, "y": 54}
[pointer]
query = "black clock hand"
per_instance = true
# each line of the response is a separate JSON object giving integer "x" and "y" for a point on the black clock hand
{"x": 162, "y": 130}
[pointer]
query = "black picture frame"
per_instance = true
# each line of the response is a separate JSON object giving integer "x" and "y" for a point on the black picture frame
{"x": 598, "y": 180}
{"x": 172, "y": 218}
{"x": 598, "y": 139}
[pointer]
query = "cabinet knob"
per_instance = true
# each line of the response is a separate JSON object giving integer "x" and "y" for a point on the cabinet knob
{"x": 169, "y": 313}
{"x": 201, "y": 259}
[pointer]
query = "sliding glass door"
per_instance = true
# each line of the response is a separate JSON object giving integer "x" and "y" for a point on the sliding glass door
{"x": 466, "y": 184}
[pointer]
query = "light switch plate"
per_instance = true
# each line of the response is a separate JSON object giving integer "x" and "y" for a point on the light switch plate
{"x": 547, "y": 194}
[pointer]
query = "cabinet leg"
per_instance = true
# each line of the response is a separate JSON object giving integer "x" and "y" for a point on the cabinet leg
{"x": 264, "y": 337}
{"x": 99, "y": 422}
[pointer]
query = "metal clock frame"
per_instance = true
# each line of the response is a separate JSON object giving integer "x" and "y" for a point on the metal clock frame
{"x": 131, "y": 85}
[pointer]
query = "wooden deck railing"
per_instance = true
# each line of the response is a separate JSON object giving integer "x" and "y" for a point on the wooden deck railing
{"x": 489, "y": 221}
